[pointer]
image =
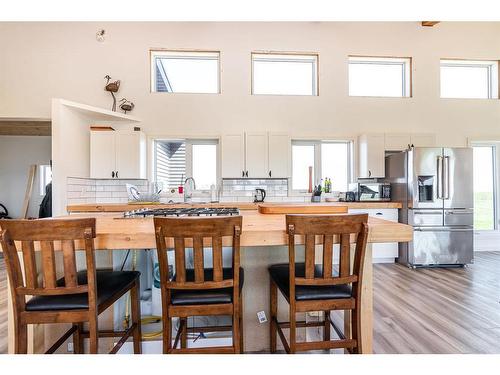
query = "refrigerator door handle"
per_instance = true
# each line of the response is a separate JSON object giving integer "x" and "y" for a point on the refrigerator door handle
{"x": 446, "y": 177}
{"x": 427, "y": 212}
{"x": 439, "y": 192}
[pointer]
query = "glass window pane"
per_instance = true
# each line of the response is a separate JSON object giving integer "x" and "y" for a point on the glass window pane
{"x": 335, "y": 164}
{"x": 484, "y": 206}
{"x": 186, "y": 72}
{"x": 205, "y": 166}
{"x": 464, "y": 82}
{"x": 45, "y": 177}
{"x": 375, "y": 76}
{"x": 170, "y": 163}
{"x": 302, "y": 159}
{"x": 284, "y": 75}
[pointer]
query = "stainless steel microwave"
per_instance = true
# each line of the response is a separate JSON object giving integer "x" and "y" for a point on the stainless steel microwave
{"x": 371, "y": 191}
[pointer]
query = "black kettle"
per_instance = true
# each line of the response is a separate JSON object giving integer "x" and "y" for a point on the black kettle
{"x": 259, "y": 196}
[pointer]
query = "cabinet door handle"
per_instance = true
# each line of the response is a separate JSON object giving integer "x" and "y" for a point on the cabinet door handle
{"x": 379, "y": 213}
{"x": 369, "y": 173}
{"x": 242, "y": 173}
{"x": 270, "y": 174}
{"x": 113, "y": 174}
{"x": 116, "y": 174}
{"x": 246, "y": 174}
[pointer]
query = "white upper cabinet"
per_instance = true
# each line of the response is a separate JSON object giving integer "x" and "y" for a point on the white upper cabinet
{"x": 233, "y": 156}
{"x": 256, "y": 155}
{"x": 130, "y": 155}
{"x": 397, "y": 142}
{"x": 279, "y": 155}
{"x": 102, "y": 154}
{"x": 371, "y": 156}
{"x": 423, "y": 140}
{"x": 117, "y": 154}
{"x": 372, "y": 148}
{"x": 400, "y": 142}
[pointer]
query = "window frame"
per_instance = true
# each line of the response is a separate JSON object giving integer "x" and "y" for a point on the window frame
{"x": 496, "y": 163}
{"x": 290, "y": 58}
{"x": 493, "y": 75}
{"x": 317, "y": 170}
{"x": 43, "y": 181}
{"x": 407, "y": 75}
{"x": 189, "y": 142}
{"x": 166, "y": 51}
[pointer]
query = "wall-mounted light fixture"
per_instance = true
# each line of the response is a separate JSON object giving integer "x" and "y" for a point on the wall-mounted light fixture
{"x": 99, "y": 35}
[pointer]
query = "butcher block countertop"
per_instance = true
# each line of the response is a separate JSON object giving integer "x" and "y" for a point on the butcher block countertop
{"x": 116, "y": 232}
{"x": 122, "y": 207}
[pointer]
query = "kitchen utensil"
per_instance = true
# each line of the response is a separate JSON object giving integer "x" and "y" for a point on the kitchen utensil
{"x": 260, "y": 195}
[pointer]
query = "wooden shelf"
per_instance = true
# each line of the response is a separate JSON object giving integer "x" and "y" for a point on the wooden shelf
{"x": 98, "y": 114}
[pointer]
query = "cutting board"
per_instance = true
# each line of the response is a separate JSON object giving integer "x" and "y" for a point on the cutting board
{"x": 302, "y": 208}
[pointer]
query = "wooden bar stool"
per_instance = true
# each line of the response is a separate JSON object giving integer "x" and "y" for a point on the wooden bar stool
{"x": 200, "y": 291}
{"x": 77, "y": 297}
{"x": 316, "y": 287}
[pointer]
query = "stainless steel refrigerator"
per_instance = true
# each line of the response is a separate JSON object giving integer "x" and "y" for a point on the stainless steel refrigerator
{"x": 435, "y": 187}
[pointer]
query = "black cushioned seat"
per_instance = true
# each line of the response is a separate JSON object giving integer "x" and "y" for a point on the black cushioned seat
{"x": 280, "y": 275}
{"x": 207, "y": 296}
{"x": 109, "y": 283}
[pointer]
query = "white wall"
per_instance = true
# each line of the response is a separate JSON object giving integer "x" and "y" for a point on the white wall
{"x": 17, "y": 153}
{"x": 45, "y": 60}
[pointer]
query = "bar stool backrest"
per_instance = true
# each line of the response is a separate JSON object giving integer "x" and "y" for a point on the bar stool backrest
{"x": 328, "y": 229}
{"x": 198, "y": 233}
{"x": 47, "y": 236}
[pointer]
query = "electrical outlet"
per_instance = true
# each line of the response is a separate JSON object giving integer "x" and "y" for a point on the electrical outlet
{"x": 261, "y": 315}
{"x": 70, "y": 347}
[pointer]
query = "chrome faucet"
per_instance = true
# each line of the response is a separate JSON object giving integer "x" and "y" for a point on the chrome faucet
{"x": 188, "y": 197}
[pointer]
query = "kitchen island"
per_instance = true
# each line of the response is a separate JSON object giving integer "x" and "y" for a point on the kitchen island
{"x": 263, "y": 241}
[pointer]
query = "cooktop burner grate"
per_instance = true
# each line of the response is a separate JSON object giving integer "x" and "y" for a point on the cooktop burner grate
{"x": 183, "y": 212}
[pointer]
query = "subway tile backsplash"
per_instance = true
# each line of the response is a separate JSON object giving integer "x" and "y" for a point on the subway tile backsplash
{"x": 89, "y": 190}
{"x": 243, "y": 189}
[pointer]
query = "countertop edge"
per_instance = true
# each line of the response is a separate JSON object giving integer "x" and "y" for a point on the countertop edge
{"x": 122, "y": 207}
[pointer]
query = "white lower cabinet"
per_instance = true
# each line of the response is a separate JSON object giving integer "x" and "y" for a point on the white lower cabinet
{"x": 382, "y": 252}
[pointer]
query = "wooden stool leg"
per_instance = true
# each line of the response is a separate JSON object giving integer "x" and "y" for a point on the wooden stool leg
{"x": 21, "y": 338}
{"x": 326, "y": 327}
{"x": 236, "y": 328}
{"x": 274, "y": 316}
{"x": 93, "y": 335}
{"x": 293, "y": 328}
{"x": 356, "y": 329}
{"x": 136, "y": 316}
{"x": 184, "y": 322}
{"x": 241, "y": 326}
{"x": 167, "y": 333}
{"x": 78, "y": 339}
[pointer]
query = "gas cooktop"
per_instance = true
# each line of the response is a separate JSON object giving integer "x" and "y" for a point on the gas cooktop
{"x": 182, "y": 212}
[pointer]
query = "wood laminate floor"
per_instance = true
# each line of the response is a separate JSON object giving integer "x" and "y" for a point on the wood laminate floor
{"x": 415, "y": 311}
